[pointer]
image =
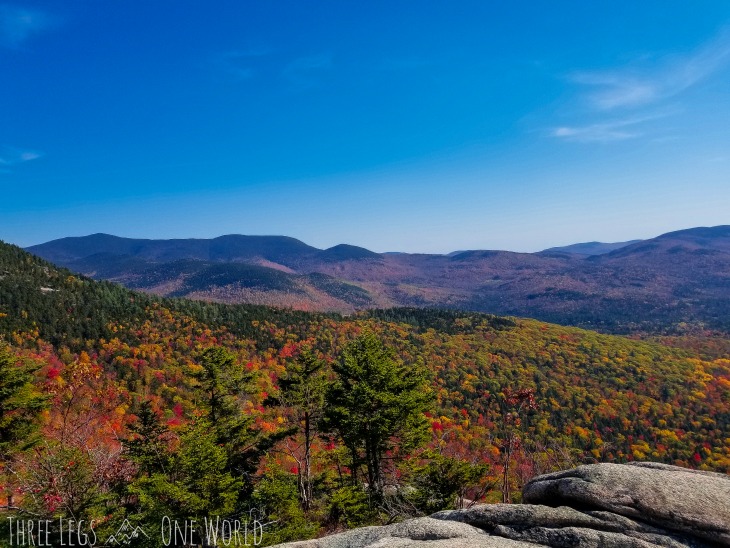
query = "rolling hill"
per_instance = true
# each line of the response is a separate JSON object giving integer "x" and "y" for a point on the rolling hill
{"x": 678, "y": 277}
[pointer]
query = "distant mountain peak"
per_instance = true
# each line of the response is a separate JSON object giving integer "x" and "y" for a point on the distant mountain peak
{"x": 590, "y": 248}
{"x": 347, "y": 252}
{"x": 704, "y": 232}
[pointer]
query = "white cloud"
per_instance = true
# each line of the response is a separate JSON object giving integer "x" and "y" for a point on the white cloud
{"x": 617, "y": 90}
{"x": 18, "y": 24}
{"x": 603, "y": 132}
{"x": 637, "y": 86}
{"x": 594, "y": 133}
{"x": 622, "y": 101}
{"x": 10, "y": 156}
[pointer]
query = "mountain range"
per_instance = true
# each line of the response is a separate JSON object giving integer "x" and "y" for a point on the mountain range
{"x": 681, "y": 276}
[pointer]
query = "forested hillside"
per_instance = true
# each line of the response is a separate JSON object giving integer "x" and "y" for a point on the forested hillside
{"x": 157, "y": 406}
{"x": 656, "y": 285}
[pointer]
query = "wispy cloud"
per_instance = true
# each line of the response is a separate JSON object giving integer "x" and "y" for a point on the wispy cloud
{"x": 239, "y": 63}
{"x": 10, "y": 156}
{"x": 622, "y": 102}
{"x": 17, "y": 25}
{"x": 617, "y": 130}
{"x": 305, "y": 72}
{"x": 637, "y": 86}
{"x": 617, "y": 90}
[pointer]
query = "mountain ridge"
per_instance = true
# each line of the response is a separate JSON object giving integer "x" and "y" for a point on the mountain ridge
{"x": 104, "y": 242}
{"x": 590, "y": 248}
{"x": 677, "y": 277}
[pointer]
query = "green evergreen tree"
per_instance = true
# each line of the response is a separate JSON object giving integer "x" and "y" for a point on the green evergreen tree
{"x": 147, "y": 445}
{"x": 376, "y": 406}
{"x": 276, "y": 498}
{"x": 443, "y": 482}
{"x": 221, "y": 381}
{"x": 196, "y": 483}
{"x": 20, "y": 405}
{"x": 302, "y": 392}
{"x": 224, "y": 383}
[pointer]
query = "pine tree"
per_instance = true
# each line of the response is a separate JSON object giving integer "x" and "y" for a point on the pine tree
{"x": 195, "y": 484}
{"x": 147, "y": 445}
{"x": 224, "y": 383}
{"x": 302, "y": 392}
{"x": 20, "y": 406}
{"x": 376, "y": 406}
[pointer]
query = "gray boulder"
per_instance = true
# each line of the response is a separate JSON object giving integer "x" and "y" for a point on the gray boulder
{"x": 672, "y": 498}
{"x": 565, "y": 526}
{"x": 412, "y": 533}
{"x": 641, "y": 505}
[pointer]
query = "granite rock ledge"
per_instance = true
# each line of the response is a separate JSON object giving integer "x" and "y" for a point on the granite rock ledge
{"x": 637, "y": 505}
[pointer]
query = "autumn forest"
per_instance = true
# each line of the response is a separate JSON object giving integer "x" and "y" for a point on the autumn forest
{"x": 127, "y": 406}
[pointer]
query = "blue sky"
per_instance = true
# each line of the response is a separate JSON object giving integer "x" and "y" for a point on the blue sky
{"x": 412, "y": 126}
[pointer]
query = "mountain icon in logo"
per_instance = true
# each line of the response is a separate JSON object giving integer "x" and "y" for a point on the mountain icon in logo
{"x": 126, "y": 534}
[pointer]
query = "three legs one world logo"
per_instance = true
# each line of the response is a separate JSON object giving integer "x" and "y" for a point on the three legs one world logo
{"x": 126, "y": 535}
